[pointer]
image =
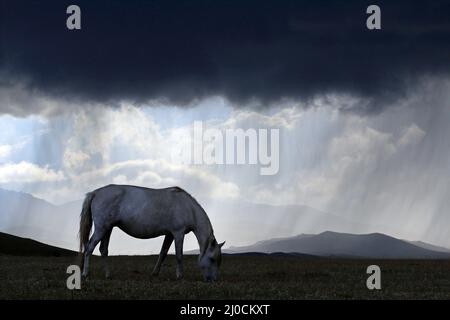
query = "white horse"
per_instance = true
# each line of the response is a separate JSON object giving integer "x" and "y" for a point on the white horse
{"x": 148, "y": 213}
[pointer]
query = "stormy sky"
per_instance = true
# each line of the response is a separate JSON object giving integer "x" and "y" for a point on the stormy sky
{"x": 363, "y": 114}
{"x": 251, "y": 52}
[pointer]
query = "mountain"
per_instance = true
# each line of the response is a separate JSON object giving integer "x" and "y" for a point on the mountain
{"x": 374, "y": 245}
{"x": 24, "y": 215}
{"x": 12, "y": 245}
{"x": 429, "y": 246}
{"x": 236, "y": 218}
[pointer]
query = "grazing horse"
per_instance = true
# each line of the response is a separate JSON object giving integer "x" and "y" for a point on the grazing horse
{"x": 148, "y": 213}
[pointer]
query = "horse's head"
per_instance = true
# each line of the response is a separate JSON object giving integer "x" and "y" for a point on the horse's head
{"x": 209, "y": 261}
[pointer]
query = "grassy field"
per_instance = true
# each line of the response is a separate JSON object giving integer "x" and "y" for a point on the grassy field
{"x": 243, "y": 277}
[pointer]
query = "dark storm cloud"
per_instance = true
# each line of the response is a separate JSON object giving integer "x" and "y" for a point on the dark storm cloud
{"x": 243, "y": 50}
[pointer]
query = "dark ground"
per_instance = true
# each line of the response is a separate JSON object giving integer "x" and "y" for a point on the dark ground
{"x": 243, "y": 277}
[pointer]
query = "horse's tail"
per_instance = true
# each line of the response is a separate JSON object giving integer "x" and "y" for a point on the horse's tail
{"x": 85, "y": 222}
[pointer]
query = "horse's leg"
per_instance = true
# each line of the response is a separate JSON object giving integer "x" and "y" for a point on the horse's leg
{"x": 179, "y": 238}
{"x": 163, "y": 254}
{"x": 95, "y": 239}
{"x": 104, "y": 252}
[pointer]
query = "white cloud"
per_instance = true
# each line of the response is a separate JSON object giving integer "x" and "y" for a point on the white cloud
{"x": 285, "y": 118}
{"x": 5, "y": 151}
{"x": 74, "y": 159}
{"x": 360, "y": 144}
{"x": 126, "y": 132}
{"x": 25, "y": 172}
{"x": 411, "y": 135}
{"x": 161, "y": 173}
{"x": 127, "y": 146}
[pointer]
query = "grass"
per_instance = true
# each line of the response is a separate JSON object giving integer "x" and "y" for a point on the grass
{"x": 242, "y": 277}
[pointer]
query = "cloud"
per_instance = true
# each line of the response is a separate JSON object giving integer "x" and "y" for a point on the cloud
{"x": 105, "y": 135}
{"x": 148, "y": 173}
{"x": 349, "y": 156}
{"x": 74, "y": 159}
{"x": 411, "y": 135}
{"x": 5, "y": 151}
{"x": 163, "y": 173}
{"x": 125, "y": 145}
{"x": 360, "y": 144}
{"x": 25, "y": 172}
{"x": 8, "y": 150}
{"x": 285, "y": 118}
{"x": 252, "y": 52}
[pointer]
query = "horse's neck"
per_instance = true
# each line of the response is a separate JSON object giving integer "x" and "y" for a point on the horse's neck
{"x": 203, "y": 230}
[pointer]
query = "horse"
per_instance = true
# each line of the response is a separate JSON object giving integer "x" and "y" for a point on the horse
{"x": 146, "y": 213}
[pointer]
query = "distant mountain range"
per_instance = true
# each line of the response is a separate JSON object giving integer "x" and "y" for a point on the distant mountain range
{"x": 24, "y": 215}
{"x": 326, "y": 244}
{"x": 334, "y": 244}
{"x": 243, "y": 222}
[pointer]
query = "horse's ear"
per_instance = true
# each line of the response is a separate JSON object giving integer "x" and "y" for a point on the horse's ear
{"x": 221, "y": 244}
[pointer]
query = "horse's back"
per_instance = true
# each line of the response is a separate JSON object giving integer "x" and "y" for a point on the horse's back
{"x": 143, "y": 212}
{"x": 114, "y": 191}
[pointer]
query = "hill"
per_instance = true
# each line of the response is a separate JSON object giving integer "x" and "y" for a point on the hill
{"x": 13, "y": 245}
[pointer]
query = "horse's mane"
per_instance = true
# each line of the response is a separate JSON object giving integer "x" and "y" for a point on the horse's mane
{"x": 178, "y": 189}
